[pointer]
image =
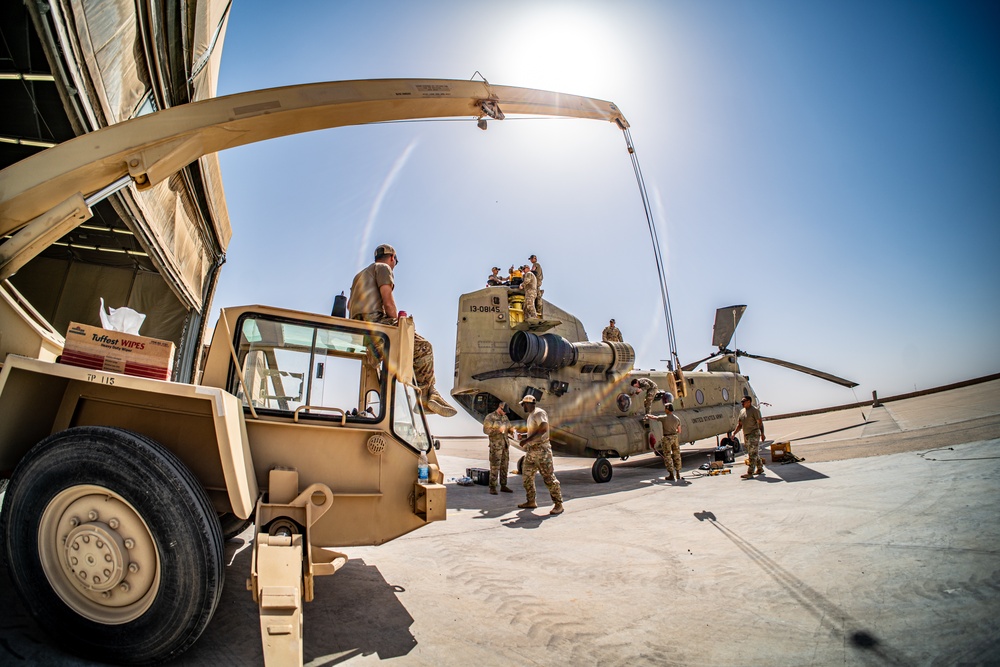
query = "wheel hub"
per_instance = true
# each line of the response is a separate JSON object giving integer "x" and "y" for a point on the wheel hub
{"x": 96, "y": 554}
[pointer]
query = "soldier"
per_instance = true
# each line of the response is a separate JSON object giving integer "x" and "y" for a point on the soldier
{"x": 495, "y": 279}
{"x": 650, "y": 388}
{"x": 670, "y": 445}
{"x": 536, "y": 268}
{"x": 372, "y": 301}
{"x": 530, "y": 287}
{"x": 538, "y": 457}
{"x": 611, "y": 333}
{"x": 496, "y": 426}
{"x": 753, "y": 432}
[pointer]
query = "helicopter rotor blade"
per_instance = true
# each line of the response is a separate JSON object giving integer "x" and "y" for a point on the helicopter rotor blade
{"x": 802, "y": 369}
{"x": 695, "y": 364}
{"x": 726, "y": 320}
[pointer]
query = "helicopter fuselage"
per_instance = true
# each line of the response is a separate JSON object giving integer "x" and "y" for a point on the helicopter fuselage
{"x": 584, "y": 386}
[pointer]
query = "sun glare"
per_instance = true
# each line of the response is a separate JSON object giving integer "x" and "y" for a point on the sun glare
{"x": 570, "y": 49}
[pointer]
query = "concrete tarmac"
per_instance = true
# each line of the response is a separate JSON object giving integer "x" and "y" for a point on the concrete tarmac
{"x": 882, "y": 547}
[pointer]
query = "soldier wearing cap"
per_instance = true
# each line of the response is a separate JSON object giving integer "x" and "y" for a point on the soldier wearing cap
{"x": 494, "y": 279}
{"x": 647, "y": 385}
{"x": 536, "y": 268}
{"x": 372, "y": 301}
{"x": 538, "y": 457}
{"x": 670, "y": 446}
{"x": 497, "y": 426}
{"x": 611, "y": 333}
{"x": 752, "y": 426}
{"x": 530, "y": 286}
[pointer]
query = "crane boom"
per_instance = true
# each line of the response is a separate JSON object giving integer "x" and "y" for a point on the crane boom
{"x": 150, "y": 148}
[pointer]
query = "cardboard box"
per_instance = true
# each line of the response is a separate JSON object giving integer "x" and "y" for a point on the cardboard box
{"x": 779, "y": 450}
{"x": 117, "y": 352}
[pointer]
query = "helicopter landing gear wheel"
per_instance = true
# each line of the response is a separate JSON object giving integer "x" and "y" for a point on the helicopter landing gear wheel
{"x": 520, "y": 466}
{"x": 602, "y": 470}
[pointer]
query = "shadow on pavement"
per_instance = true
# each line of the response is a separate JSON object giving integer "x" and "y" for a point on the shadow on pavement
{"x": 354, "y": 612}
{"x": 833, "y": 619}
{"x": 794, "y": 472}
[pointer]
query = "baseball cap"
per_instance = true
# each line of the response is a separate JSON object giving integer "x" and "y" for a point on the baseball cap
{"x": 386, "y": 249}
{"x": 528, "y": 399}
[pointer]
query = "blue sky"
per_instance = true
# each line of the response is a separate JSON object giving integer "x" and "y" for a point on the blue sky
{"x": 834, "y": 166}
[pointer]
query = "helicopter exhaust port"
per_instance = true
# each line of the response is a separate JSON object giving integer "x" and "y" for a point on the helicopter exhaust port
{"x": 552, "y": 351}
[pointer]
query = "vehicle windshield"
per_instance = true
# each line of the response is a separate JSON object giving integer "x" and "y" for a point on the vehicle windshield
{"x": 324, "y": 370}
{"x": 408, "y": 418}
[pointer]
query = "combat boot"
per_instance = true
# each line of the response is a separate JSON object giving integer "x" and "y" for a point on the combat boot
{"x": 434, "y": 402}
{"x": 493, "y": 491}
{"x": 506, "y": 489}
{"x": 760, "y": 470}
{"x": 669, "y": 477}
{"x": 527, "y": 506}
{"x": 556, "y": 509}
{"x": 747, "y": 475}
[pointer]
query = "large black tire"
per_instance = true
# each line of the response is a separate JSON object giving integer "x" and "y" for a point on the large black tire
{"x": 231, "y": 525}
{"x": 602, "y": 470}
{"x": 128, "y": 507}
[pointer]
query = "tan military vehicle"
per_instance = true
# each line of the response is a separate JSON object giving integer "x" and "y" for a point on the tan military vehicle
{"x": 121, "y": 488}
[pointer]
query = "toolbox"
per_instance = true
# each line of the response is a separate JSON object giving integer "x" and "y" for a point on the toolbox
{"x": 479, "y": 476}
{"x": 779, "y": 450}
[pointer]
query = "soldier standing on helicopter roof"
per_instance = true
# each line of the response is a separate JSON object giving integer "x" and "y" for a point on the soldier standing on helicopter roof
{"x": 611, "y": 334}
{"x": 650, "y": 388}
{"x": 530, "y": 286}
{"x": 538, "y": 457}
{"x": 496, "y": 426}
{"x": 536, "y": 268}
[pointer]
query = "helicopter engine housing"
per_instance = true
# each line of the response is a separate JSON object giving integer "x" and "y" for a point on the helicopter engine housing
{"x": 553, "y": 352}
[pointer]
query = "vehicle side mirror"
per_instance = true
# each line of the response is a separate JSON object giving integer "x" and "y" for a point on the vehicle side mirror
{"x": 437, "y": 444}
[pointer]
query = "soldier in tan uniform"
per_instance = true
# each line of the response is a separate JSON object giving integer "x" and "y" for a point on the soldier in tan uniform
{"x": 538, "y": 457}
{"x": 752, "y": 425}
{"x": 530, "y": 286}
{"x": 670, "y": 447}
{"x": 372, "y": 301}
{"x": 536, "y": 268}
{"x": 611, "y": 333}
{"x": 647, "y": 385}
{"x": 497, "y": 426}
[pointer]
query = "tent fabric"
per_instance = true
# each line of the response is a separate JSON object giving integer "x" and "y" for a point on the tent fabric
{"x": 124, "y": 63}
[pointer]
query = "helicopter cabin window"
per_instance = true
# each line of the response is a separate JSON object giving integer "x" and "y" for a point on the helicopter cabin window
{"x": 699, "y": 396}
{"x": 326, "y": 371}
{"x": 725, "y": 394}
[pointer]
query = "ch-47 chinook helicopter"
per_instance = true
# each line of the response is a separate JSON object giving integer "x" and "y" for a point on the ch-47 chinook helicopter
{"x": 584, "y": 386}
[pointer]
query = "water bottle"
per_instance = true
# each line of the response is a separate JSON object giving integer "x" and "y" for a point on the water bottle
{"x": 423, "y": 469}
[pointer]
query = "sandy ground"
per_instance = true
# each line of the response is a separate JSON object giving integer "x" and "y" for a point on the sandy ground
{"x": 881, "y": 548}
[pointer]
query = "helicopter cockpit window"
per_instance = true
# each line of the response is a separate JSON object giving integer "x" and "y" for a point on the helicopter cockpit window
{"x": 325, "y": 371}
{"x": 699, "y": 396}
{"x": 408, "y": 420}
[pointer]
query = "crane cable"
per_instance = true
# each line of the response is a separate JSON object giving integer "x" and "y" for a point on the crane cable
{"x": 657, "y": 253}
